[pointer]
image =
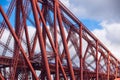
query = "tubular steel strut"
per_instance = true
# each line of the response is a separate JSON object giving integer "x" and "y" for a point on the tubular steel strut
{"x": 43, "y": 40}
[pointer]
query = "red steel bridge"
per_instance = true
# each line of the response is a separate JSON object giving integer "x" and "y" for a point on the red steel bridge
{"x": 43, "y": 40}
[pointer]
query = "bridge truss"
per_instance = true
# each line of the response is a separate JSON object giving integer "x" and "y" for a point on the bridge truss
{"x": 43, "y": 40}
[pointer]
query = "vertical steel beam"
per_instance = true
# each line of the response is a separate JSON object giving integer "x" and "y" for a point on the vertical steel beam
{"x": 40, "y": 37}
{"x": 16, "y": 47}
{"x": 80, "y": 52}
{"x": 97, "y": 76}
{"x": 18, "y": 42}
{"x": 56, "y": 43}
{"x": 44, "y": 12}
{"x": 108, "y": 66}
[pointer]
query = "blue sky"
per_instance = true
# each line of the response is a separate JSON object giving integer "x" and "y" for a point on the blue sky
{"x": 4, "y": 4}
{"x": 102, "y": 18}
{"x": 89, "y": 23}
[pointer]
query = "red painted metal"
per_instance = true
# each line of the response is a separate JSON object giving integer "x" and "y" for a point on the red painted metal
{"x": 41, "y": 42}
{"x": 58, "y": 47}
{"x": 1, "y": 77}
{"x": 80, "y": 52}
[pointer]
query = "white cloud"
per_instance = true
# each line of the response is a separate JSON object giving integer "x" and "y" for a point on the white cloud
{"x": 66, "y": 2}
{"x": 106, "y": 11}
{"x": 95, "y": 9}
{"x": 109, "y": 35}
{"x": 113, "y": 31}
{"x": 4, "y": 38}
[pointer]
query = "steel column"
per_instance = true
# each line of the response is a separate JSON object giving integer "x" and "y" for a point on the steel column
{"x": 97, "y": 74}
{"x": 16, "y": 47}
{"x": 80, "y": 52}
{"x": 56, "y": 42}
{"x": 77, "y": 56}
{"x": 108, "y": 65}
{"x": 17, "y": 40}
{"x": 40, "y": 37}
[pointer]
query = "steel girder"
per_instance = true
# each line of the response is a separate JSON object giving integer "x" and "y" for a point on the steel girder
{"x": 42, "y": 39}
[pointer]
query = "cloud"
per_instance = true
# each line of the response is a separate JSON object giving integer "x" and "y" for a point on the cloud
{"x": 95, "y": 9}
{"x": 66, "y": 2}
{"x": 108, "y": 35}
{"x": 10, "y": 45}
{"x": 106, "y": 12}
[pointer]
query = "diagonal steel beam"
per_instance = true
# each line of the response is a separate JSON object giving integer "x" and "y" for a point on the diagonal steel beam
{"x": 17, "y": 40}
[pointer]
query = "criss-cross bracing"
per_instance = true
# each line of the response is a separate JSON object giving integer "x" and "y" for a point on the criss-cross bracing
{"x": 43, "y": 40}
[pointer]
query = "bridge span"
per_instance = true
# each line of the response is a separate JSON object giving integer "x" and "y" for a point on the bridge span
{"x": 43, "y": 40}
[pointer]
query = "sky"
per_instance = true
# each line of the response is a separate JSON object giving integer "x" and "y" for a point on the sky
{"x": 4, "y": 4}
{"x": 101, "y": 17}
